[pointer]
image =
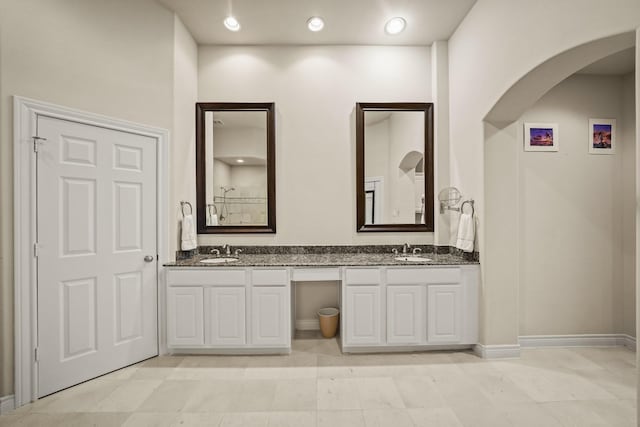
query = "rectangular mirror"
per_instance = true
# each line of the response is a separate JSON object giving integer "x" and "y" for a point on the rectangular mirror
{"x": 394, "y": 166}
{"x": 235, "y": 167}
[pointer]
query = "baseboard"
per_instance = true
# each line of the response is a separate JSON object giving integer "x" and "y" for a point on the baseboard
{"x": 584, "y": 340}
{"x": 7, "y": 404}
{"x": 503, "y": 351}
{"x": 629, "y": 342}
{"x": 308, "y": 325}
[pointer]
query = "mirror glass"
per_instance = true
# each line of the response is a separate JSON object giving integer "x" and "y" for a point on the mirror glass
{"x": 236, "y": 169}
{"x": 396, "y": 169}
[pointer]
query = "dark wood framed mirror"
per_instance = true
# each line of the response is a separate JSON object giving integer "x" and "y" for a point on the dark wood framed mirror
{"x": 235, "y": 167}
{"x": 394, "y": 166}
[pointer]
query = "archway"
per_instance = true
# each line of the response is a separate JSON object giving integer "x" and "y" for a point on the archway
{"x": 502, "y": 144}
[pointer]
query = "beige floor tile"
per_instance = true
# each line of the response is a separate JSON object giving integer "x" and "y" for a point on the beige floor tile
{"x": 206, "y": 373}
{"x": 340, "y": 419}
{"x": 151, "y": 419}
{"x": 378, "y": 393}
{"x": 419, "y": 392}
{"x": 128, "y": 396}
{"x": 255, "y": 395}
{"x": 529, "y": 415}
{"x": 81, "y": 398}
{"x": 473, "y": 414}
{"x": 76, "y": 419}
{"x": 432, "y": 417}
{"x": 152, "y": 373}
{"x": 296, "y": 395}
{"x": 387, "y": 418}
{"x": 547, "y": 384}
{"x": 162, "y": 362}
{"x": 621, "y": 386}
{"x": 575, "y": 414}
{"x": 292, "y": 419}
{"x": 215, "y": 362}
{"x": 214, "y": 396}
{"x": 337, "y": 394}
{"x": 495, "y": 384}
{"x": 187, "y": 419}
{"x": 245, "y": 419}
{"x": 170, "y": 396}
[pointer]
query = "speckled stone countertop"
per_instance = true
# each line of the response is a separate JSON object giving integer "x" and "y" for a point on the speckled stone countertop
{"x": 317, "y": 257}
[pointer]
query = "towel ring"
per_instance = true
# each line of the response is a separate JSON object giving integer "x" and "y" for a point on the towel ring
{"x": 215, "y": 210}
{"x": 470, "y": 202}
{"x": 182, "y": 204}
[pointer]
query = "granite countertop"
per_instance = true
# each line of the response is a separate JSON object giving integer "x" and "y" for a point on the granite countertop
{"x": 322, "y": 260}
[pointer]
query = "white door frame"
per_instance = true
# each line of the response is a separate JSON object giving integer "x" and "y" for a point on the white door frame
{"x": 25, "y": 114}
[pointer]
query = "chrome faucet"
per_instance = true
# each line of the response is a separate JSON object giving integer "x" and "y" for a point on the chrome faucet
{"x": 394, "y": 251}
{"x": 215, "y": 251}
{"x": 227, "y": 249}
{"x": 417, "y": 251}
{"x": 237, "y": 252}
{"x": 405, "y": 248}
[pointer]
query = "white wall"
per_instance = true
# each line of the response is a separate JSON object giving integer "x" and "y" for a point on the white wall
{"x": 183, "y": 147}
{"x": 315, "y": 90}
{"x": 485, "y": 61}
{"x": 113, "y": 58}
{"x": 572, "y": 207}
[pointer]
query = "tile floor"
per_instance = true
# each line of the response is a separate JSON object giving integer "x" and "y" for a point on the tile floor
{"x": 318, "y": 386}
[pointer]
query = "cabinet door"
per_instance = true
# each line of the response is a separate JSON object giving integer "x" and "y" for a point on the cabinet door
{"x": 404, "y": 314}
{"x": 444, "y": 324}
{"x": 185, "y": 316}
{"x": 363, "y": 315}
{"x": 269, "y": 314}
{"x": 225, "y": 316}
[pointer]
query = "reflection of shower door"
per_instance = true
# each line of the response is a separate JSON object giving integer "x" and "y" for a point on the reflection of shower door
{"x": 374, "y": 209}
{"x": 370, "y": 202}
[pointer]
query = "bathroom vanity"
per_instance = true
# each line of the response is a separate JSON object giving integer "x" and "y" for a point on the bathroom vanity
{"x": 385, "y": 304}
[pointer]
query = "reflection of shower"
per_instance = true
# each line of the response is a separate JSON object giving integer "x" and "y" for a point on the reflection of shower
{"x": 224, "y": 211}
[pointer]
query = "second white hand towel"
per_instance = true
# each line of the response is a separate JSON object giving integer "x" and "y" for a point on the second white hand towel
{"x": 188, "y": 237}
{"x": 466, "y": 233}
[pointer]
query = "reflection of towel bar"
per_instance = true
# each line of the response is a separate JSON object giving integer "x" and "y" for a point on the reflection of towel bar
{"x": 472, "y": 203}
{"x": 182, "y": 204}
{"x": 215, "y": 210}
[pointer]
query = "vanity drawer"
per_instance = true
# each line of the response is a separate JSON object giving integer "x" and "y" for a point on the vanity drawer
{"x": 269, "y": 277}
{"x": 209, "y": 277}
{"x": 408, "y": 276}
{"x": 362, "y": 276}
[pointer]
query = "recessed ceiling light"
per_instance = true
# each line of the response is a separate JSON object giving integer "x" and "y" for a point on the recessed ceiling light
{"x": 395, "y": 25}
{"x": 231, "y": 23}
{"x": 315, "y": 23}
{"x": 240, "y": 160}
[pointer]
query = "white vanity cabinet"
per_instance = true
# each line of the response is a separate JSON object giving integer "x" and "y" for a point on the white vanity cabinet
{"x": 404, "y": 308}
{"x": 228, "y": 310}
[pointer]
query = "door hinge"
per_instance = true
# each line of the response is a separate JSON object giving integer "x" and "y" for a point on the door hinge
{"x": 36, "y": 250}
{"x": 37, "y": 140}
{"x": 35, "y": 354}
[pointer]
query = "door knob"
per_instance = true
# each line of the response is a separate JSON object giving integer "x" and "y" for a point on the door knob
{"x": 148, "y": 258}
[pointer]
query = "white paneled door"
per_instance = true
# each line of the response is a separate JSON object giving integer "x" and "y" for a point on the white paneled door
{"x": 96, "y": 252}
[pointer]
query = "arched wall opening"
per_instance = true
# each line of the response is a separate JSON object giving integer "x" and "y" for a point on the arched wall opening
{"x": 535, "y": 206}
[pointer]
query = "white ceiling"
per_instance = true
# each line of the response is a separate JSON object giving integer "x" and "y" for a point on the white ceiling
{"x": 358, "y": 22}
{"x": 620, "y": 63}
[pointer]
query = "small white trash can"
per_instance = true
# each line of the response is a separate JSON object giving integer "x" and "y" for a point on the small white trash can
{"x": 329, "y": 318}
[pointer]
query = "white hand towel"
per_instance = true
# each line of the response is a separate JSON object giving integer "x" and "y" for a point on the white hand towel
{"x": 214, "y": 219}
{"x": 466, "y": 233}
{"x": 188, "y": 238}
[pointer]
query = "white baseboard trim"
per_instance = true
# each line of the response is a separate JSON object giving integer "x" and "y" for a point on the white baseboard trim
{"x": 503, "y": 351}
{"x": 584, "y": 340}
{"x": 7, "y": 404}
{"x": 308, "y": 324}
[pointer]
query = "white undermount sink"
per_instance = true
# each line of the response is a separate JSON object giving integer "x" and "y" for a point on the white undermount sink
{"x": 413, "y": 259}
{"x": 218, "y": 260}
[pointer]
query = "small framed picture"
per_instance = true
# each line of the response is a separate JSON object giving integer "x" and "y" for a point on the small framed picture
{"x": 602, "y": 136}
{"x": 541, "y": 137}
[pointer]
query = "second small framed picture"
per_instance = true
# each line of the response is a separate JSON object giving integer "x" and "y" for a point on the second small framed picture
{"x": 541, "y": 137}
{"x": 602, "y": 136}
